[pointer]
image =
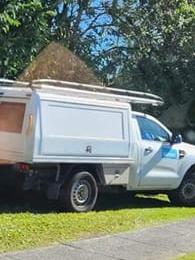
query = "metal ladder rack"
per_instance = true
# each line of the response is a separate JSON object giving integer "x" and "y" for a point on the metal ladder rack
{"x": 86, "y": 90}
{"x": 13, "y": 83}
{"x": 99, "y": 92}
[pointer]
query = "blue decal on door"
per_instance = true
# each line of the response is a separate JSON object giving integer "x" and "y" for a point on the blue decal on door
{"x": 169, "y": 153}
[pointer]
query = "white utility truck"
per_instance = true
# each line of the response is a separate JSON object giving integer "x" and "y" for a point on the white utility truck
{"x": 74, "y": 140}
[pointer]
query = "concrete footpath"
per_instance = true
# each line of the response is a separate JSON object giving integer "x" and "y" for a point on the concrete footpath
{"x": 163, "y": 242}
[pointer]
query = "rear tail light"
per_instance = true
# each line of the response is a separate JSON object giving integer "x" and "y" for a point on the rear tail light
{"x": 23, "y": 167}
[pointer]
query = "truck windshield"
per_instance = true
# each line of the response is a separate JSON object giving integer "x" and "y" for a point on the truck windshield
{"x": 11, "y": 116}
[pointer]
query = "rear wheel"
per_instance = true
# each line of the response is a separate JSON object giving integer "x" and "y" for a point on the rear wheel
{"x": 80, "y": 192}
{"x": 185, "y": 194}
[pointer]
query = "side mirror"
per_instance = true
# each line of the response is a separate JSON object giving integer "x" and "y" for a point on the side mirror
{"x": 176, "y": 138}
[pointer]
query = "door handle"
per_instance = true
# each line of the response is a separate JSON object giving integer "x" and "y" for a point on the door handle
{"x": 148, "y": 149}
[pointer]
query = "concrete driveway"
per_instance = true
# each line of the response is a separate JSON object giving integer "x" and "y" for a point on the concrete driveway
{"x": 163, "y": 242}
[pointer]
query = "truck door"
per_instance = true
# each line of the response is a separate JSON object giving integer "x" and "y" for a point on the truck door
{"x": 159, "y": 160}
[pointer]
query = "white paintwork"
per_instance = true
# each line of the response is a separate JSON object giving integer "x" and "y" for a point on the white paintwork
{"x": 65, "y": 128}
{"x": 78, "y": 126}
{"x": 116, "y": 174}
{"x": 152, "y": 170}
{"x": 155, "y": 170}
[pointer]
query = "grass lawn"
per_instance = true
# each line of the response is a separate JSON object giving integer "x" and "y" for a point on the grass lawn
{"x": 190, "y": 256}
{"x": 25, "y": 224}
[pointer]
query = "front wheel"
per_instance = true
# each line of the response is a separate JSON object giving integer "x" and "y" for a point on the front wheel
{"x": 185, "y": 194}
{"x": 80, "y": 192}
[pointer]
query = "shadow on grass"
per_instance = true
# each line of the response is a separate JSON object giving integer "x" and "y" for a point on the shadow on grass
{"x": 127, "y": 201}
{"x": 12, "y": 202}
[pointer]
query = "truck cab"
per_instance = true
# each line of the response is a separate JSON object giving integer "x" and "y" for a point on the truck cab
{"x": 164, "y": 162}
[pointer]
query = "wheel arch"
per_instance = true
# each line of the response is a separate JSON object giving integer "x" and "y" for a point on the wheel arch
{"x": 185, "y": 170}
{"x": 67, "y": 171}
{"x": 184, "y": 195}
{"x": 189, "y": 171}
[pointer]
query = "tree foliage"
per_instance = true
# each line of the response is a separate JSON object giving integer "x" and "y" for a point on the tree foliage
{"x": 139, "y": 44}
{"x": 158, "y": 51}
{"x": 27, "y": 26}
{"x": 23, "y": 31}
{"x": 84, "y": 26}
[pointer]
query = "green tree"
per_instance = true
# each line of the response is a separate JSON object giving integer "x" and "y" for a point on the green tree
{"x": 23, "y": 32}
{"x": 27, "y": 26}
{"x": 158, "y": 48}
{"x": 83, "y": 26}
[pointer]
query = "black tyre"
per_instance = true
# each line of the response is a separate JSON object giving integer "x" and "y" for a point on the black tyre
{"x": 185, "y": 194}
{"x": 79, "y": 193}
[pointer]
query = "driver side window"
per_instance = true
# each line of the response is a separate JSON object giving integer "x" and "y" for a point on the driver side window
{"x": 150, "y": 130}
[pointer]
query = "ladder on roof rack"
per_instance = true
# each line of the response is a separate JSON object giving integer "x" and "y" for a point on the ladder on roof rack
{"x": 101, "y": 91}
{"x": 92, "y": 91}
{"x": 12, "y": 83}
